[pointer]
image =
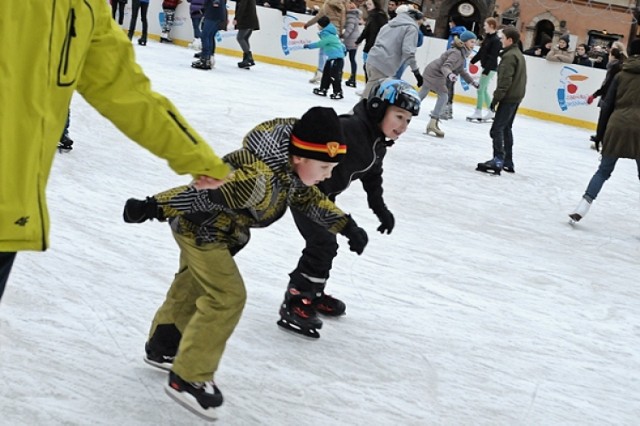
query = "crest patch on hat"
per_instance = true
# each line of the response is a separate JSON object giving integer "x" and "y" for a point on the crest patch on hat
{"x": 333, "y": 148}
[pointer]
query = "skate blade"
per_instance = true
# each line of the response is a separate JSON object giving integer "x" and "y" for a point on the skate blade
{"x": 487, "y": 171}
{"x": 190, "y": 403}
{"x": 164, "y": 366}
{"x": 310, "y": 333}
{"x": 574, "y": 219}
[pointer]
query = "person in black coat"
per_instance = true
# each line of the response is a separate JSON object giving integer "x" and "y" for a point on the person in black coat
{"x": 371, "y": 128}
{"x": 376, "y": 19}
{"x": 246, "y": 21}
{"x": 541, "y": 49}
{"x": 582, "y": 57}
{"x": 488, "y": 57}
{"x": 614, "y": 66}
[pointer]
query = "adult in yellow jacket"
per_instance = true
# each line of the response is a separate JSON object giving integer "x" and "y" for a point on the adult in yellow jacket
{"x": 77, "y": 46}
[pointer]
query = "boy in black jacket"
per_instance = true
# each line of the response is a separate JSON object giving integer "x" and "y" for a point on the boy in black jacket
{"x": 374, "y": 125}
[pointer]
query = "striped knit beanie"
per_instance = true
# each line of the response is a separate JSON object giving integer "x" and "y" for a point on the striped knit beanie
{"x": 318, "y": 135}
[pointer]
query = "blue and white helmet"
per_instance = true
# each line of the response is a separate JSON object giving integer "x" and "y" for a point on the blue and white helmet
{"x": 394, "y": 92}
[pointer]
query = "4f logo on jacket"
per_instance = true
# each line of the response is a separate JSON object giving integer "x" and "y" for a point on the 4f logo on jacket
{"x": 22, "y": 221}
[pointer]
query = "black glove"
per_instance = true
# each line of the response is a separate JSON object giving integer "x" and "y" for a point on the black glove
{"x": 418, "y": 76}
{"x": 493, "y": 106}
{"x": 386, "y": 221}
{"x": 357, "y": 236}
{"x": 138, "y": 211}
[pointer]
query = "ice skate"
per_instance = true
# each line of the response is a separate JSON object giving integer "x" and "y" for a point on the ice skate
{"x": 447, "y": 114}
{"x": 65, "y": 144}
{"x": 581, "y": 210}
{"x": 298, "y": 315}
{"x": 476, "y": 117}
{"x": 156, "y": 359}
{"x": 508, "y": 167}
{"x": 165, "y": 38}
{"x": 196, "y": 44}
{"x": 329, "y": 306}
{"x": 320, "y": 92}
{"x": 493, "y": 166}
{"x": 247, "y": 61}
{"x": 337, "y": 95}
{"x": 199, "y": 397}
{"x": 489, "y": 116}
{"x": 316, "y": 78}
{"x": 202, "y": 64}
{"x": 433, "y": 127}
{"x": 142, "y": 41}
{"x": 351, "y": 82}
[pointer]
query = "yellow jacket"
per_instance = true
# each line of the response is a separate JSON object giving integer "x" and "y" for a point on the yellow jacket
{"x": 48, "y": 49}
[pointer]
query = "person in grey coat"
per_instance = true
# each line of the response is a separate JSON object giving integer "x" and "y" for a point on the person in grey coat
{"x": 349, "y": 36}
{"x": 617, "y": 127}
{"x": 395, "y": 45}
{"x": 447, "y": 68}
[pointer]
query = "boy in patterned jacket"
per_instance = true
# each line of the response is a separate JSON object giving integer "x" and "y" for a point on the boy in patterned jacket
{"x": 278, "y": 167}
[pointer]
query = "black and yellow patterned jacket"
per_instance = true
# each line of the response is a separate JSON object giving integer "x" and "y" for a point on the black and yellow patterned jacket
{"x": 262, "y": 187}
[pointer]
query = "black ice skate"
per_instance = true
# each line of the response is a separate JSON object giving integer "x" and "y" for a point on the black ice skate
{"x": 199, "y": 397}
{"x": 351, "y": 82}
{"x": 508, "y": 167}
{"x": 298, "y": 315}
{"x": 201, "y": 64}
{"x": 320, "y": 92}
{"x": 329, "y": 306}
{"x": 156, "y": 359}
{"x": 142, "y": 41}
{"x": 492, "y": 167}
{"x": 337, "y": 95}
{"x": 65, "y": 144}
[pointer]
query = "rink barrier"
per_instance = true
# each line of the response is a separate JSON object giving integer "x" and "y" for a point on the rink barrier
{"x": 555, "y": 92}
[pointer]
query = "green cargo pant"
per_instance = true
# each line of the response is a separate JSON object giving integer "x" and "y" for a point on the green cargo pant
{"x": 205, "y": 302}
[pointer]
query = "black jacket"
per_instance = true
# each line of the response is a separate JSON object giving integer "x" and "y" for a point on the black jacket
{"x": 367, "y": 147}
{"x": 488, "y": 53}
{"x": 376, "y": 20}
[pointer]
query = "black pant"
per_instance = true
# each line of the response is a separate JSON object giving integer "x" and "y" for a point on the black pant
{"x": 115, "y": 6}
{"x": 320, "y": 247}
{"x": 451, "y": 90}
{"x": 143, "y": 17}
{"x": 354, "y": 65}
{"x": 6, "y": 262}
{"x": 501, "y": 131}
{"x": 332, "y": 74}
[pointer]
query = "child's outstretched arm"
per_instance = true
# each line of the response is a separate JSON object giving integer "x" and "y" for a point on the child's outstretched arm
{"x": 244, "y": 188}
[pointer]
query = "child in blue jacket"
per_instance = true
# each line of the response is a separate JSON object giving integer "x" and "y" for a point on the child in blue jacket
{"x": 334, "y": 49}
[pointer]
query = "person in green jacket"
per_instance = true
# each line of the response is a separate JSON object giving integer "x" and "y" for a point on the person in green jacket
{"x": 510, "y": 90}
{"x": 278, "y": 167}
{"x": 77, "y": 47}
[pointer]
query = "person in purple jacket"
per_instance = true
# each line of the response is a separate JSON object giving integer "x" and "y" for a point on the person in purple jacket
{"x": 196, "y": 9}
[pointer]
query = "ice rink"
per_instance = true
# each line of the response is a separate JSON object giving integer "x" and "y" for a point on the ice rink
{"x": 483, "y": 307}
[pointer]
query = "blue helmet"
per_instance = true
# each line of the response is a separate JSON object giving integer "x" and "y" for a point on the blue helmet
{"x": 394, "y": 92}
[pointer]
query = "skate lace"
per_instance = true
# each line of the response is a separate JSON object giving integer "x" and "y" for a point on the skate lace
{"x": 206, "y": 387}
